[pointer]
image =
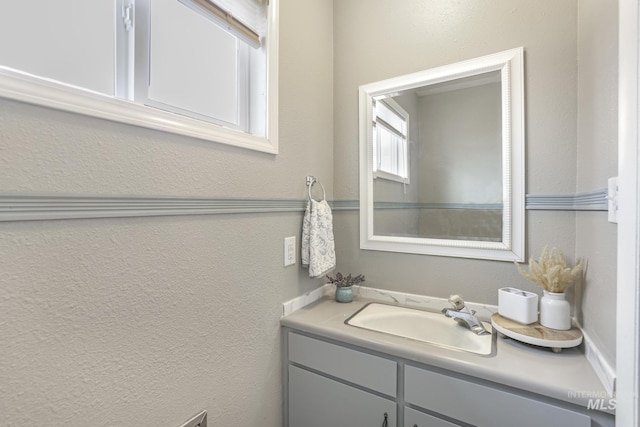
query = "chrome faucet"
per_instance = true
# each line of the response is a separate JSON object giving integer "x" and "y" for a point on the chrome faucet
{"x": 461, "y": 314}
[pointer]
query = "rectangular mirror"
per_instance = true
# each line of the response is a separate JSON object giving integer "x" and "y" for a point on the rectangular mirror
{"x": 442, "y": 160}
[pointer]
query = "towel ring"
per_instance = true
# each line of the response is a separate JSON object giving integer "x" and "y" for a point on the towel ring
{"x": 313, "y": 180}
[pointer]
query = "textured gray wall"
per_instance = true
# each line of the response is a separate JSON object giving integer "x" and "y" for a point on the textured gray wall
{"x": 597, "y": 160}
{"x": 428, "y": 33}
{"x": 461, "y": 163}
{"x": 146, "y": 321}
{"x": 394, "y": 38}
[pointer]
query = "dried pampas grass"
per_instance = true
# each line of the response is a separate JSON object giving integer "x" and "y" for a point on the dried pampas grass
{"x": 551, "y": 271}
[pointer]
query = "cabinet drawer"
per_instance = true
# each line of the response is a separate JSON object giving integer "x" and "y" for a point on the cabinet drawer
{"x": 372, "y": 372}
{"x": 413, "y": 418}
{"x": 481, "y": 405}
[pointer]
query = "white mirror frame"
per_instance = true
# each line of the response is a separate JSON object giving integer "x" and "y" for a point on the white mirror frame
{"x": 24, "y": 87}
{"x": 511, "y": 248}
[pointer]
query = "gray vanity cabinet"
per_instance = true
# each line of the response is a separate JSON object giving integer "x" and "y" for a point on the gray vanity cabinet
{"x": 482, "y": 405}
{"x": 317, "y": 401}
{"x": 331, "y": 385}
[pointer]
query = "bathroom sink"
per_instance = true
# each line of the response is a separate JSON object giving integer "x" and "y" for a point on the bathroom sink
{"x": 419, "y": 325}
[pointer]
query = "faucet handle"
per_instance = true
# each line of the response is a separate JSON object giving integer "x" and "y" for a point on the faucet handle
{"x": 457, "y": 302}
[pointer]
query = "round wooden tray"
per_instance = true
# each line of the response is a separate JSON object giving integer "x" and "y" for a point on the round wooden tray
{"x": 537, "y": 334}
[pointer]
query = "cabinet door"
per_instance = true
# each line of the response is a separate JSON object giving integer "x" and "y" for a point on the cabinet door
{"x": 413, "y": 418}
{"x": 482, "y": 405}
{"x": 317, "y": 401}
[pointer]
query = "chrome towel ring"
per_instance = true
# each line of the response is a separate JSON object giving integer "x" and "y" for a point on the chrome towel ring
{"x": 313, "y": 180}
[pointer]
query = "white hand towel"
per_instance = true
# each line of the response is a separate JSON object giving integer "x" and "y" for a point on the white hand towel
{"x": 318, "y": 248}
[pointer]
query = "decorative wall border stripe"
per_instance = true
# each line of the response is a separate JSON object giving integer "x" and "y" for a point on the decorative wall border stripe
{"x": 14, "y": 207}
{"x": 588, "y": 201}
{"x": 345, "y": 205}
{"x": 31, "y": 207}
{"x": 467, "y": 206}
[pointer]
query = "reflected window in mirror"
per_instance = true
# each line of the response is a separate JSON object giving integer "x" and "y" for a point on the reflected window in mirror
{"x": 391, "y": 140}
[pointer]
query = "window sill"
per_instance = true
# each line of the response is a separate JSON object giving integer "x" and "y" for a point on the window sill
{"x": 30, "y": 89}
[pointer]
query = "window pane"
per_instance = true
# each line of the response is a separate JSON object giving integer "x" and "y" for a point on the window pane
{"x": 390, "y": 117}
{"x": 71, "y": 41}
{"x": 402, "y": 158}
{"x": 390, "y": 136}
{"x": 388, "y": 151}
{"x": 195, "y": 69}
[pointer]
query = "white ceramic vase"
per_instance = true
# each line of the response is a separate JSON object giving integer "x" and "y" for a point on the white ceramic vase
{"x": 555, "y": 312}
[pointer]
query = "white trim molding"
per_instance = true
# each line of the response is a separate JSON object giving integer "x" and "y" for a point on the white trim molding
{"x": 628, "y": 252}
{"x": 510, "y": 246}
{"x": 598, "y": 362}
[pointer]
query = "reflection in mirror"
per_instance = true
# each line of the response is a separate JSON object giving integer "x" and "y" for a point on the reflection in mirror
{"x": 441, "y": 160}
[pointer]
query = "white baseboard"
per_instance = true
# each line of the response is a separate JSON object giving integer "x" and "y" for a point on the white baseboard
{"x": 601, "y": 367}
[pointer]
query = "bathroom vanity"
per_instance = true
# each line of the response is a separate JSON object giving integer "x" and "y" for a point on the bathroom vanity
{"x": 339, "y": 375}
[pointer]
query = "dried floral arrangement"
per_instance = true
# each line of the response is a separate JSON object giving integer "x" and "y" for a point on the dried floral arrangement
{"x": 345, "y": 281}
{"x": 551, "y": 272}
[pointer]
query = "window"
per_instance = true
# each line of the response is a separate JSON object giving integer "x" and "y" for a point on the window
{"x": 203, "y": 68}
{"x": 390, "y": 141}
{"x": 71, "y": 41}
{"x": 210, "y": 72}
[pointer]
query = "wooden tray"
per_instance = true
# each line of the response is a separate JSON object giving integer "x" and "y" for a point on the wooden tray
{"x": 537, "y": 334}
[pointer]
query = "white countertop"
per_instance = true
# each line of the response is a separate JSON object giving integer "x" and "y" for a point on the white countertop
{"x": 565, "y": 376}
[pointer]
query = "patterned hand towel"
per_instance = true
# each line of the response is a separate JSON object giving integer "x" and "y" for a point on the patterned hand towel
{"x": 318, "y": 249}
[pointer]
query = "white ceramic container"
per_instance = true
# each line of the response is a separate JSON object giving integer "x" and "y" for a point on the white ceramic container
{"x": 517, "y": 305}
{"x": 555, "y": 312}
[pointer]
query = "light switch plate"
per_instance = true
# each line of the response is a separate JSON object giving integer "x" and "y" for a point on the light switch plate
{"x": 289, "y": 251}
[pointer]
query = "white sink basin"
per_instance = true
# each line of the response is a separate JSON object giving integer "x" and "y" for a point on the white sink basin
{"x": 425, "y": 326}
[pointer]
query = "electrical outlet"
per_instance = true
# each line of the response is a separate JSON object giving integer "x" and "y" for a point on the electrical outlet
{"x": 289, "y": 250}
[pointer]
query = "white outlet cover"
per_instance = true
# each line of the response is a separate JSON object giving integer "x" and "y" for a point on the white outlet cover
{"x": 289, "y": 251}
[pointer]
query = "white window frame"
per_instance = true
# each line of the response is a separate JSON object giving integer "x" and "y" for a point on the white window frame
{"x": 24, "y": 87}
{"x": 377, "y": 121}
